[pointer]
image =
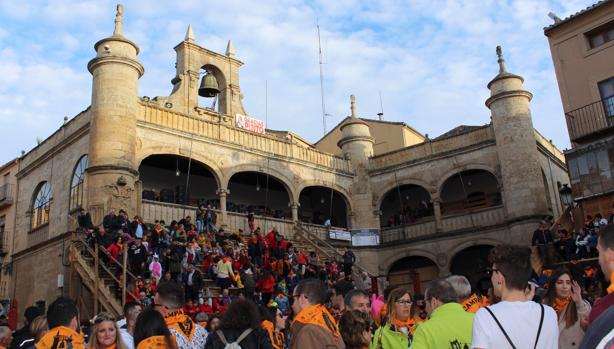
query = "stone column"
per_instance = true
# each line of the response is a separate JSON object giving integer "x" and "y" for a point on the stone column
{"x": 294, "y": 207}
{"x": 222, "y": 193}
{"x": 437, "y": 213}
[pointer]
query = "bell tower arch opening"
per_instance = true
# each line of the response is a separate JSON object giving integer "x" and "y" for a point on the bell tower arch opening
{"x": 212, "y": 89}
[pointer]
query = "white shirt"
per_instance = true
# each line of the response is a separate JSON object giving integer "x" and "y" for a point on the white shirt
{"x": 198, "y": 339}
{"x": 126, "y": 338}
{"x": 520, "y": 321}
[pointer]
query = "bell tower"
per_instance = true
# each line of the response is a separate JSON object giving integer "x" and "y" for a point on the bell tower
{"x": 522, "y": 181}
{"x": 112, "y": 170}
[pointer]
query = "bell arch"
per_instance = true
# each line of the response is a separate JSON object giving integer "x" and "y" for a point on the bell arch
{"x": 413, "y": 272}
{"x": 469, "y": 189}
{"x": 178, "y": 179}
{"x": 319, "y": 203}
{"x": 260, "y": 193}
{"x": 221, "y": 98}
{"x": 405, "y": 204}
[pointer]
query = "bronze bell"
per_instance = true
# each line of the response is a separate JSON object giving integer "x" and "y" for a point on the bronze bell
{"x": 208, "y": 86}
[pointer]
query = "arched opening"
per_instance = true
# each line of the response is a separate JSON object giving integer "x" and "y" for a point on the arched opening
{"x": 317, "y": 204}
{"x": 471, "y": 262}
{"x": 405, "y": 204}
{"x": 469, "y": 190}
{"x": 217, "y": 103}
{"x": 75, "y": 199}
{"x": 165, "y": 178}
{"x": 41, "y": 204}
{"x": 414, "y": 273}
{"x": 258, "y": 193}
{"x": 547, "y": 191}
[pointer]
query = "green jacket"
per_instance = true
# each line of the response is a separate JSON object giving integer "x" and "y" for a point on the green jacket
{"x": 449, "y": 327}
{"x": 390, "y": 339}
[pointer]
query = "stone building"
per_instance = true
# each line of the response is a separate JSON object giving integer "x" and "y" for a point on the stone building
{"x": 582, "y": 48}
{"x": 439, "y": 203}
{"x": 8, "y": 183}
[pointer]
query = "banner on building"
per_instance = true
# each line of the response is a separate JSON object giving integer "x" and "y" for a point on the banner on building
{"x": 365, "y": 237}
{"x": 250, "y": 124}
{"x": 339, "y": 234}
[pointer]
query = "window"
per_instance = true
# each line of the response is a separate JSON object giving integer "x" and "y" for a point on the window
{"x": 76, "y": 185}
{"x": 601, "y": 35}
{"x": 41, "y": 205}
{"x": 606, "y": 90}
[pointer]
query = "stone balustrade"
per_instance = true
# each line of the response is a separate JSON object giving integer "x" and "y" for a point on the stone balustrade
{"x": 479, "y": 218}
{"x": 405, "y": 232}
{"x": 432, "y": 148}
{"x": 222, "y": 132}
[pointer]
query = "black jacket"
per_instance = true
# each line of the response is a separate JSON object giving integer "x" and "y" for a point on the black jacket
{"x": 19, "y": 337}
{"x": 257, "y": 339}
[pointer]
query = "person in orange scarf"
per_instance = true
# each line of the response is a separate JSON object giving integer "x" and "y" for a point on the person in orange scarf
{"x": 313, "y": 326}
{"x": 397, "y": 328}
{"x": 565, "y": 296}
{"x": 105, "y": 333}
{"x": 63, "y": 320}
{"x": 150, "y": 332}
{"x": 274, "y": 323}
{"x": 471, "y": 302}
{"x": 168, "y": 301}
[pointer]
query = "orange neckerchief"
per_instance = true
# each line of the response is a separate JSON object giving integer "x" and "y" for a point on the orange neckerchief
{"x": 611, "y": 287}
{"x": 63, "y": 336}
{"x": 155, "y": 342}
{"x": 410, "y": 324}
{"x": 318, "y": 315}
{"x": 473, "y": 303}
{"x": 277, "y": 339}
{"x": 181, "y": 322}
{"x": 560, "y": 304}
{"x": 112, "y": 346}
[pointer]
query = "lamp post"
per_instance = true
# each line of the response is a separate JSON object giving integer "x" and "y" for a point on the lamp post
{"x": 566, "y": 195}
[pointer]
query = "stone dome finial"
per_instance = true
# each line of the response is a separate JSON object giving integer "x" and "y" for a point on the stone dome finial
{"x": 353, "y": 106}
{"x": 118, "y": 21}
{"x": 500, "y": 60}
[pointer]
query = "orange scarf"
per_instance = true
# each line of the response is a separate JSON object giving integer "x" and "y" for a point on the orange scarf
{"x": 318, "y": 315}
{"x": 560, "y": 304}
{"x": 410, "y": 324}
{"x": 181, "y": 322}
{"x": 155, "y": 342}
{"x": 64, "y": 336}
{"x": 473, "y": 303}
{"x": 611, "y": 287}
{"x": 112, "y": 346}
{"x": 277, "y": 338}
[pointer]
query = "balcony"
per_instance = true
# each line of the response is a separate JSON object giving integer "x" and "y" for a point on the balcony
{"x": 6, "y": 195}
{"x": 591, "y": 120}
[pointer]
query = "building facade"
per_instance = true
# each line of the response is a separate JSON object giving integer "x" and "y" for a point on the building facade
{"x": 582, "y": 47}
{"x": 8, "y": 186}
{"x": 435, "y": 201}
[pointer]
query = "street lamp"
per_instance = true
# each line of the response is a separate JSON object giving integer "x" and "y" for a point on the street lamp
{"x": 565, "y": 194}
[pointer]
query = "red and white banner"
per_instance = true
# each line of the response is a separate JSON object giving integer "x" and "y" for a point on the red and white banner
{"x": 250, "y": 124}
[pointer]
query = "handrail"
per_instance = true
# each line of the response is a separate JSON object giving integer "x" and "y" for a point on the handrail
{"x": 317, "y": 238}
{"x": 93, "y": 253}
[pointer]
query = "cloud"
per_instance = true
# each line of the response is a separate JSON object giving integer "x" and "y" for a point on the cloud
{"x": 431, "y": 61}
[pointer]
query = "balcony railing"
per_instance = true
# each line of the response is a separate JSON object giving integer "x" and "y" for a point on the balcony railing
{"x": 6, "y": 194}
{"x": 593, "y": 118}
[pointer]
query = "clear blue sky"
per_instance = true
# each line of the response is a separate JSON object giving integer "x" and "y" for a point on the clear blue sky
{"x": 431, "y": 59}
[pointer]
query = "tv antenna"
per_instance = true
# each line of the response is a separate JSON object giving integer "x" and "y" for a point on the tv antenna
{"x": 321, "y": 79}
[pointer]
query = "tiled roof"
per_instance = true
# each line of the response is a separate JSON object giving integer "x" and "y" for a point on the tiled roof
{"x": 579, "y": 13}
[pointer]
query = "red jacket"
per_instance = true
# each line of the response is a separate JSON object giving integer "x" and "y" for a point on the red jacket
{"x": 600, "y": 306}
{"x": 266, "y": 285}
{"x": 271, "y": 239}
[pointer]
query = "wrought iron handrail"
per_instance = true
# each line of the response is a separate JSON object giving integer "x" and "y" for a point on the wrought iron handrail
{"x": 591, "y": 118}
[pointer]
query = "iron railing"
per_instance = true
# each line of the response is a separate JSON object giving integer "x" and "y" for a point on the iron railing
{"x": 595, "y": 117}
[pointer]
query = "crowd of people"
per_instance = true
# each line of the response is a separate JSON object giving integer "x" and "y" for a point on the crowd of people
{"x": 275, "y": 295}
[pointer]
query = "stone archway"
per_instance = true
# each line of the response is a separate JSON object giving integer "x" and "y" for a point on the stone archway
{"x": 318, "y": 203}
{"x": 413, "y": 273}
{"x": 469, "y": 190}
{"x": 405, "y": 204}
{"x": 259, "y": 193}
{"x": 471, "y": 262}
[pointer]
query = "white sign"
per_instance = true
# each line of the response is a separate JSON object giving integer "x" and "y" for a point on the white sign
{"x": 337, "y": 234}
{"x": 365, "y": 237}
{"x": 250, "y": 124}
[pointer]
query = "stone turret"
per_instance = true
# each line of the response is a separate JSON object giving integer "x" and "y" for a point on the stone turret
{"x": 356, "y": 141}
{"x": 112, "y": 168}
{"x": 522, "y": 180}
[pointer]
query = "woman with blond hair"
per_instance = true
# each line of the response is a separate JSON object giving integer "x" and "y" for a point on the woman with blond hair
{"x": 397, "y": 327}
{"x": 105, "y": 333}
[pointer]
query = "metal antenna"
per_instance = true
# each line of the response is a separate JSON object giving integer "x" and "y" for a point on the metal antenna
{"x": 321, "y": 78}
{"x": 381, "y": 107}
{"x": 266, "y": 103}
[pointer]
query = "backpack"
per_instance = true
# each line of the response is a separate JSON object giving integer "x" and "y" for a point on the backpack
{"x": 235, "y": 344}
